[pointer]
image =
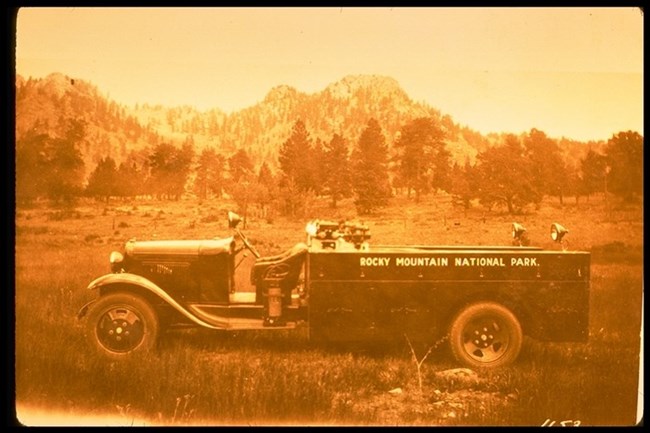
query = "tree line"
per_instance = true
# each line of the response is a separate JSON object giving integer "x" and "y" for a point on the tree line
{"x": 518, "y": 171}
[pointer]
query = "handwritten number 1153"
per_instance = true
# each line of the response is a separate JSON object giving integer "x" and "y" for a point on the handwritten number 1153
{"x": 565, "y": 423}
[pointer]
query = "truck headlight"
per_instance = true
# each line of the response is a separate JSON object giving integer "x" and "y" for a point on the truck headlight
{"x": 116, "y": 258}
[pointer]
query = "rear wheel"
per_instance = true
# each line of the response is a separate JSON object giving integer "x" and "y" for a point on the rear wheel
{"x": 485, "y": 334}
{"x": 120, "y": 324}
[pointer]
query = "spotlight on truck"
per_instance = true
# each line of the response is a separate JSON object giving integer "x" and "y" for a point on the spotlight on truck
{"x": 311, "y": 229}
{"x": 519, "y": 236}
{"x": 233, "y": 220}
{"x": 558, "y": 232}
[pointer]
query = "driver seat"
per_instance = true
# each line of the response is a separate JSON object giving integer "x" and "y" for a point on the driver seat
{"x": 282, "y": 270}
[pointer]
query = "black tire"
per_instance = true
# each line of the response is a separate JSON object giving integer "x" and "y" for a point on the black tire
{"x": 485, "y": 334}
{"x": 122, "y": 324}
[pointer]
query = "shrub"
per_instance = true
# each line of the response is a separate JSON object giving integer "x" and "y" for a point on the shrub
{"x": 91, "y": 237}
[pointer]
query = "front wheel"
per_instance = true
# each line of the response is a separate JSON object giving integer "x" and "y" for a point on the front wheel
{"x": 119, "y": 324}
{"x": 485, "y": 334}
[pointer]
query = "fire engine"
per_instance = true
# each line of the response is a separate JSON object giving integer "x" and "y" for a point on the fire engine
{"x": 482, "y": 299}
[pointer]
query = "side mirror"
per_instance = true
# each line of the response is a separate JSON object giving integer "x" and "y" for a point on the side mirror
{"x": 558, "y": 232}
{"x": 233, "y": 220}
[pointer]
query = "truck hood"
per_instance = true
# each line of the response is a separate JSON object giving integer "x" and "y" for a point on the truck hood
{"x": 182, "y": 247}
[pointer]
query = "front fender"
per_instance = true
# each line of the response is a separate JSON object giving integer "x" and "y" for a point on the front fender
{"x": 125, "y": 278}
{"x": 136, "y": 280}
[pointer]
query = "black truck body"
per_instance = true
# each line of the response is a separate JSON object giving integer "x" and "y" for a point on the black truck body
{"x": 484, "y": 299}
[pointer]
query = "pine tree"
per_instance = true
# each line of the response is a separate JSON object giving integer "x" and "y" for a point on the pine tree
{"x": 104, "y": 181}
{"x": 266, "y": 190}
{"x": 336, "y": 165}
{"x": 548, "y": 170}
{"x": 170, "y": 168}
{"x": 463, "y": 184}
{"x": 317, "y": 170}
{"x": 65, "y": 164}
{"x": 240, "y": 165}
{"x": 265, "y": 175}
{"x": 625, "y": 157}
{"x": 31, "y": 165}
{"x": 370, "y": 170}
{"x": 593, "y": 167}
{"x": 180, "y": 167}
{"x": 161, "y": 163}
{"x": 296, "y": 158}
{"x": 423, "y": 160}
{"x": 131, "y": 181}
{"x": 506, "y": 176}
{"x": 209, "y": 174}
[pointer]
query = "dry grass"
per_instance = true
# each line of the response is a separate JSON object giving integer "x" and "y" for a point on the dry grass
{"x": 259, "y": 378}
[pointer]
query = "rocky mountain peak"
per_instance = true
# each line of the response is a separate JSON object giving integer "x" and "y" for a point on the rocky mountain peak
{"x": 280, "y": 92}
{"x": 58, "y": 84}
{"x": 351, "y": 84}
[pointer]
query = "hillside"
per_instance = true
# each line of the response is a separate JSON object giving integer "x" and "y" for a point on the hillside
{"x": 343, "y": 107}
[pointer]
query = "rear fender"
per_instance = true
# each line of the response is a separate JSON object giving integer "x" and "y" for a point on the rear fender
{"x": 127, "y": 279}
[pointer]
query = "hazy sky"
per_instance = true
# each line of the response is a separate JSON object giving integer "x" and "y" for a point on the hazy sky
{"x": 573, "y": 72}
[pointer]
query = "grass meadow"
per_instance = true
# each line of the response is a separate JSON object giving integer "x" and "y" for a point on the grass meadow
{"x": 199, "y": 377}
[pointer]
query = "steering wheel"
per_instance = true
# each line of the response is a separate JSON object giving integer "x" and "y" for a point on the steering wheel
{"x": 248, "y": 244}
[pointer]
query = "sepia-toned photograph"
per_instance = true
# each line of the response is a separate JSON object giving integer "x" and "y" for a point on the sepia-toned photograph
{"x": 328, "y": 216}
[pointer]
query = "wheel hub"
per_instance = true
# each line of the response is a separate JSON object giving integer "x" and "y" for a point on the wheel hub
{"x": 120, "y": 330}
{"x": 485, "y": 340}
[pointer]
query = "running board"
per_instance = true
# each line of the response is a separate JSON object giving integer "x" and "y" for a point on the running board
{"x": 235, "y": 323}
{"x": 251, "y": 324}
{"x": 251, "y": 298}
